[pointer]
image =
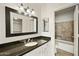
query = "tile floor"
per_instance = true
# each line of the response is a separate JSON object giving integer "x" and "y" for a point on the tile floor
{"x": 63, "y": 53}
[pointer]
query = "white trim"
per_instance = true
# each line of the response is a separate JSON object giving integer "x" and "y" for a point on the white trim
{"x": 76, "y": 31}
{"x": 58, "y": 21}
{"x": 66, "y": 42}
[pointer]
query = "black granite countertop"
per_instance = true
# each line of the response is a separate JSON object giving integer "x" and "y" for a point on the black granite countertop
{"x": 18, "y": 48}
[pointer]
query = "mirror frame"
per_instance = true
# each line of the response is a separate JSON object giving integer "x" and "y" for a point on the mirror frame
{"x": 8, "y": 26}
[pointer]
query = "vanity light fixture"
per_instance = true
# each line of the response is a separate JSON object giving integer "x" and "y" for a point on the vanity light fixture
{"x": 26, "y": 11}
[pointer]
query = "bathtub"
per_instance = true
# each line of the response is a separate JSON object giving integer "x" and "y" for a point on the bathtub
{"x": 65, "y": 45}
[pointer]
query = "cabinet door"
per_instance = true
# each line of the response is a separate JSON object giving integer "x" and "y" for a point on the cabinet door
{"x": 46, "y": 50}
{"x": 35, "y": 52}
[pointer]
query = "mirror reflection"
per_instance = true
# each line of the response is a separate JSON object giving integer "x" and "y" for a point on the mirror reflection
{"x": 22, "y": 24}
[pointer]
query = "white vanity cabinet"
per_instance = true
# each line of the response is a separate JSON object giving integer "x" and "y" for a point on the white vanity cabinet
{"x": 43, "y": 50}
{"x": 46, "y": 50}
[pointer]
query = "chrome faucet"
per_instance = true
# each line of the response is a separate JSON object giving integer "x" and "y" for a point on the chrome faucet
{"x": 24, "y": 41}
{"x": 27, "y": 41}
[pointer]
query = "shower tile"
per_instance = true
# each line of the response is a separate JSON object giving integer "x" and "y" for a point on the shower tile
{"x": 63, "y": 53}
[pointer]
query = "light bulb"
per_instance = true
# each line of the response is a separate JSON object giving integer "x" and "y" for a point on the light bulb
{"x": 25, "y": 13}
{"x": 33, "y": 12}
{"x": 30, "y": 14}
{"x": 19, "y": 11}
{"x": 22, "y": 9}
{"x": 28, "y": 11}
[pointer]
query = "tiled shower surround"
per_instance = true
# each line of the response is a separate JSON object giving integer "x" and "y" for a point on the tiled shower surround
{"x": 65, "y": 30}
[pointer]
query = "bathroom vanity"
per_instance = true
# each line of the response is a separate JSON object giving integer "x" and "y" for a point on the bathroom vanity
{"x": 19, "y": 25}
{"x": 18, "y": 48}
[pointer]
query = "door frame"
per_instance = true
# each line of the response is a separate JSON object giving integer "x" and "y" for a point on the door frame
{"x": 75, "y": 27}
{"x": 76, "y": 31}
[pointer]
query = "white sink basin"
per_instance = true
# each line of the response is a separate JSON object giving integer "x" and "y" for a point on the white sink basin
{"x": 31, "y": 44}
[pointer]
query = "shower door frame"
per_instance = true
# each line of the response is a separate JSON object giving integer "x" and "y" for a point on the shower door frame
{"x": 76, "y": 12}
{"x": 75, "y": 27}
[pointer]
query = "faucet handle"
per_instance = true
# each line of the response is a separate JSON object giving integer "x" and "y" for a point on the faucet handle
{"x": 29, "y": 40}
{"x": 24, "y": 41}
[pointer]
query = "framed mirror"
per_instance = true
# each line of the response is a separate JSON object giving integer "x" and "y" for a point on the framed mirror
{"x": 19, "y": 24}
{"x": 46, "y": 24}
